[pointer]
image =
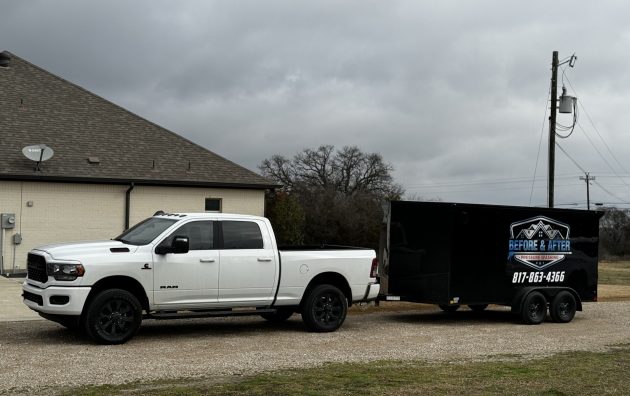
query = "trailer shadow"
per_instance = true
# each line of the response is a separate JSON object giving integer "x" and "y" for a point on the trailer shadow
{"x": 468, "y": 317}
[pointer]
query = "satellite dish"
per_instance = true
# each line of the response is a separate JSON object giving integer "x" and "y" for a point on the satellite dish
{"x": 38, "y": 153}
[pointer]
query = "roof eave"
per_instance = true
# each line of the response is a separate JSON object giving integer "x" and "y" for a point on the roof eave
{"x": 145, "y": 182}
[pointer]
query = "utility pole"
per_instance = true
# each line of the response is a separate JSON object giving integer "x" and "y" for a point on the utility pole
{"x": 552, "y": 129}
{"x": 588, "y": 179}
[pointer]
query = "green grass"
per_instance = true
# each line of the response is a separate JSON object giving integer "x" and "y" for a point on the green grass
{"x": 614, "y": 273}
{"x": 562, "y": 374}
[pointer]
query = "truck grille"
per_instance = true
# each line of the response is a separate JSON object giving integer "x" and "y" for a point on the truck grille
{"x": 36, "y": 267}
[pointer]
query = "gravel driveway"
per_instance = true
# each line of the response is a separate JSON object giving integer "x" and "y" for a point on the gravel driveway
{"x": 37, "y": 354}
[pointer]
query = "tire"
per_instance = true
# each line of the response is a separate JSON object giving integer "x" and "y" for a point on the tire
{"x": 113, "y": 317}
{"x": 563, "y": 307}
{"x": 478, "y": 307}
{"x": 280, "y": 315}
{"x": 325, "y": 308}
{"x": 534, "y": 308}
{"x": 449, "y": 308}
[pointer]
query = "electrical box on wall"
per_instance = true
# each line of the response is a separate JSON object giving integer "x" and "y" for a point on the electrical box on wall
{"x": 17, "y": 239}
{"x": 7, "y": 221}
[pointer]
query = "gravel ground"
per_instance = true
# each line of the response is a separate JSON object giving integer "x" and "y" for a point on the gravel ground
{"x": 39, "y": 354}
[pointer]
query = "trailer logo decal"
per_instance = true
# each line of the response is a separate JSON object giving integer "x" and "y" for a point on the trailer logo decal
{"x": 539, "y": 242}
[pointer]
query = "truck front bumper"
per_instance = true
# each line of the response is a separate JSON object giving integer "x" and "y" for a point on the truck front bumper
{"x": 55, "y": 300}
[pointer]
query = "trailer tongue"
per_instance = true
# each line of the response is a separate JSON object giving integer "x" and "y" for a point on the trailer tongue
{"x": 452, "y": 254}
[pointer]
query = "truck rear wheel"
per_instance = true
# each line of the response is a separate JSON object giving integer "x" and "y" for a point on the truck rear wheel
{"x": 325, "y": 308}
{"x": 113, "y": 317}
{"x": 534, "y": 308}
{"x": 563, "y": 307}
{"x": 280, "y": 315}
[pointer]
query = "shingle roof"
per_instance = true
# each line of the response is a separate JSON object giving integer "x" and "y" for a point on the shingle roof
{"x": 37, "y": 107}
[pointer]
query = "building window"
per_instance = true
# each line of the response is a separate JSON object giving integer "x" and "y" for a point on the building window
{"x": 213, "y": 205}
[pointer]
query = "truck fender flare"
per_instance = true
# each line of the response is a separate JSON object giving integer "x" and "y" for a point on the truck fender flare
{"x": 127, "y": 283}
{"x": 330, "y": 278}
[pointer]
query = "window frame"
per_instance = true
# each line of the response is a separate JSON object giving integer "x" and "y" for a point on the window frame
{"x": 222, "y": 234}
{"x": 219, "y": 200}
{"x": 216, "y": 238}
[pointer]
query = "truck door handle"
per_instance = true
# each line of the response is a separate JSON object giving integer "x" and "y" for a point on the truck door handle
{"x": 206, "y": 260}
{"x": 264, "y": 259}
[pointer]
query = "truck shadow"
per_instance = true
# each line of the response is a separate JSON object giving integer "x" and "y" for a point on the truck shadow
{"x": 152, "y": 329}
{"x": 45, "y": 333}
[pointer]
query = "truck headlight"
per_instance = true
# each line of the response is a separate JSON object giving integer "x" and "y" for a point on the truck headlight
{"x": 67, "y": 272}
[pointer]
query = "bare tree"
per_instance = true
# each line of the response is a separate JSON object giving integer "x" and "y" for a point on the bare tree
{"x": 347, "y": 171}
{"x": 615, "y": 232}
{"x": 340, "y": 193}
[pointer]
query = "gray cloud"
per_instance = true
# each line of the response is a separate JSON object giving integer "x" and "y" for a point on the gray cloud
{"x": 450, "y": 92}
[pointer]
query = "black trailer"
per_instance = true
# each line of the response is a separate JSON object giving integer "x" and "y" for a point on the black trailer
{"x": 454, "y": 254}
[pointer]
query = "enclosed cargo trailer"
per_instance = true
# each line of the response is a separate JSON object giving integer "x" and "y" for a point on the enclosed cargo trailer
{"x": 454, "y": 254}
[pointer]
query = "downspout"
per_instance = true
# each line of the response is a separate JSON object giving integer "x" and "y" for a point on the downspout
{"x": 128, "y": 205}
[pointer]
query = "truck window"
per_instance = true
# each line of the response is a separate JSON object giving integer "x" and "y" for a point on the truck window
{"x": 241, "y": 235}
{"x": 145, "y": 231}
{"x": 200, "y": 235}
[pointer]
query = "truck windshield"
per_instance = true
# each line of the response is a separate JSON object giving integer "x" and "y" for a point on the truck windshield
{"x": 145, "y": 231}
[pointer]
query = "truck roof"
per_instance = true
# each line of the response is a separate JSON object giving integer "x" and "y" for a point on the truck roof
{"x": 208, "y": 215}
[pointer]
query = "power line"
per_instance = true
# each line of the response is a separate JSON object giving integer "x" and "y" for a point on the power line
{"x": 542, "y": 131}
{"x": 609, "y": 192}
{"x": 569, "y": 157}
{"x": 594, "y": 126}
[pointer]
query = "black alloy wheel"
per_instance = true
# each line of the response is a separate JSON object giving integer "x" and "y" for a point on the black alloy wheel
{"x": 325, "y": 309}
{"x": 113, "y": 317}
{"x": 534, "y": 308}
{"x": 563, "y": 307}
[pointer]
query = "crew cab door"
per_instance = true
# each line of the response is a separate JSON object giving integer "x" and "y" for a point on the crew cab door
{"x": 248, "y": 263}
{"x": 188, "y": 279}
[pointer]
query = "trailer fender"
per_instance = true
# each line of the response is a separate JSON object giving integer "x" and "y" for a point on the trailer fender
{"x": 548, "y": 292}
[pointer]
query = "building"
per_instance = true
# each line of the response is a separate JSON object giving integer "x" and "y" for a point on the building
{"x": 110, "y": 168}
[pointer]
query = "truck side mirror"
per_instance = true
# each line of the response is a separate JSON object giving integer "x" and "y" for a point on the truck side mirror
{"x": 179, "y": 244}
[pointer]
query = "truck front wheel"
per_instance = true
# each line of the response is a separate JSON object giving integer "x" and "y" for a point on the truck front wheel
{"x": 534, "y": 308}
{"x": 113, "y": 316}
{"x": 563, "y": 307}
{"x": 325, "y": 308}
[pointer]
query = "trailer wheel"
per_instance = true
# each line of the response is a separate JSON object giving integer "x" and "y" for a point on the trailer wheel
{"x": 113, "y": 317}
{"x": 478, "y": 307}
{"x": 534, "y": 308}
{"x": 563, "y": 307}
{"x": 449, "y": 308}
{"x": 325, "y": 309}
{"x": 280, "y": 315}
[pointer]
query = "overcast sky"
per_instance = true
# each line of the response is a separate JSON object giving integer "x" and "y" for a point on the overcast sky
{"x": 452, "y": 93}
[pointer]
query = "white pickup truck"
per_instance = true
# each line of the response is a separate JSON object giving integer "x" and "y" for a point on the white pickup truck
{"x": 194, "y": 265}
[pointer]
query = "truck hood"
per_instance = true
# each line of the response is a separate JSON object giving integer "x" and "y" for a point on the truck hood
{"x": 72, "y": 250}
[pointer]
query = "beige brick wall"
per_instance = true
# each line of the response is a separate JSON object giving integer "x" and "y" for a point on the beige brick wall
{"x": 145, "y": 201}
{"x": 62, "y": 212}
